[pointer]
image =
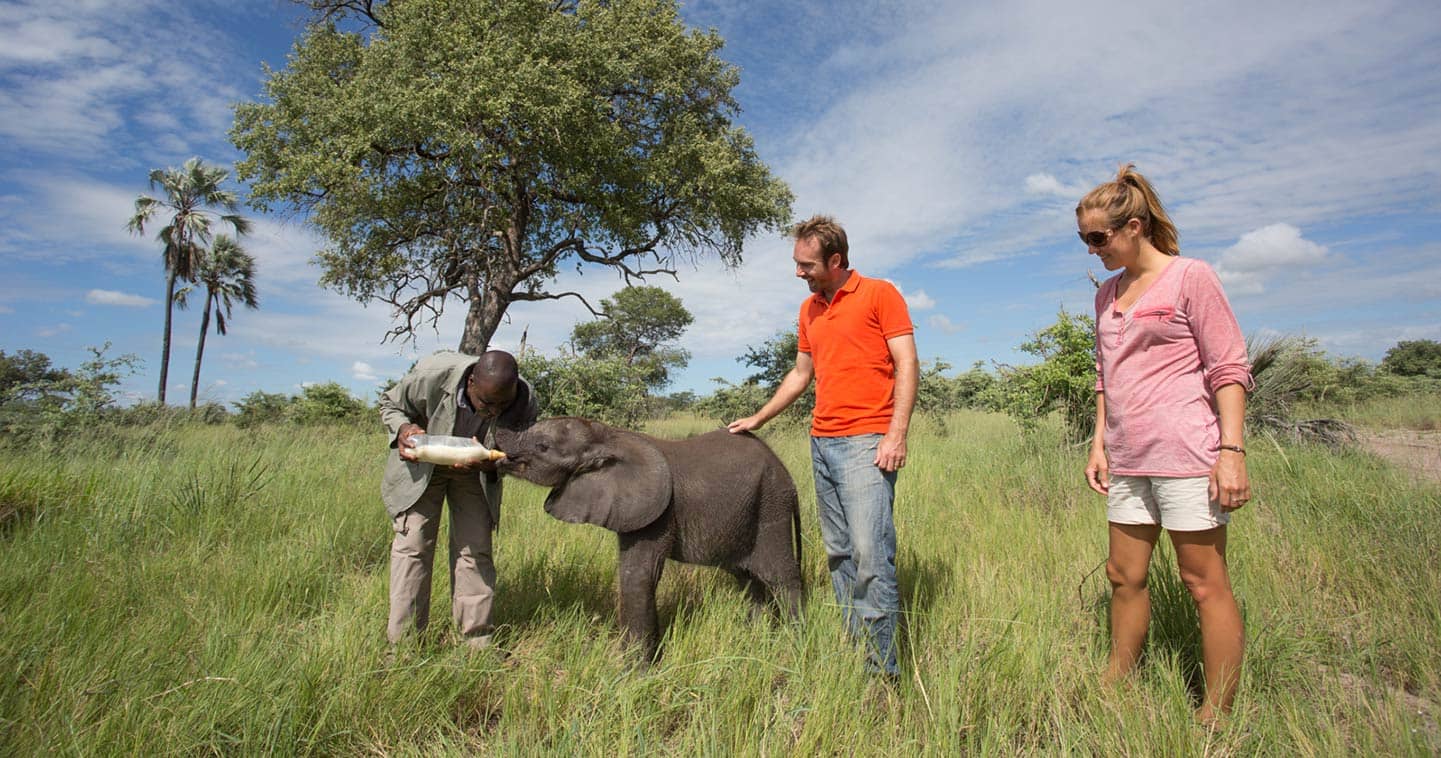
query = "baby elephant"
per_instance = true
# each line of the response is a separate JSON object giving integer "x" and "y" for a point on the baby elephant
{"x": 719, "y": 499}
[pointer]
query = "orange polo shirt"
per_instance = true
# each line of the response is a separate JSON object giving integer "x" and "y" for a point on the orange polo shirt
{"x": 846, "y": 338}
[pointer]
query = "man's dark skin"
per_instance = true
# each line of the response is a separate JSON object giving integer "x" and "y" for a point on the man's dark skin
{"x": 490, "y": 389}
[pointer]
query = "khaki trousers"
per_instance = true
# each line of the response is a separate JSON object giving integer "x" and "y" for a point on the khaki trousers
{"x": 412, "y": 551}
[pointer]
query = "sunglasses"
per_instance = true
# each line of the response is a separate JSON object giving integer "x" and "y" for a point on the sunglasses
{"x": 1097, "y": 239}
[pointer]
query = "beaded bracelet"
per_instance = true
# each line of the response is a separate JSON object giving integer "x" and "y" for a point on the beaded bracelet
{"x": 1234, "y": 448}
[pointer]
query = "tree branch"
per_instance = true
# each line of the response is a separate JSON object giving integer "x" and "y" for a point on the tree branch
{"x": 535, "y": 296}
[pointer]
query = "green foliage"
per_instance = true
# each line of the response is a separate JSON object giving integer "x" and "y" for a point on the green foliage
{"x": 637, "y": 325}
{"x": 773, "y": 359}
{"x": 939, "y": 394}
{"x": 477, "y": 149}
{"x": 328, "y": 403}
{"x": 1064, "y": 380}
{"x": 55, "y": 403}
{"x": 1414, "y": 358}
{"x": 26, "y": 376}
{"x": 261, "y": 408}
{"x": 603, "y": 389}
{"x": 732, "y": 401}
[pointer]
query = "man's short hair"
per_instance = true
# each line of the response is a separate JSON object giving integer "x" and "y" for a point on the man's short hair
{"x": 828, "y": 234}
{"x": 497, "y": 368}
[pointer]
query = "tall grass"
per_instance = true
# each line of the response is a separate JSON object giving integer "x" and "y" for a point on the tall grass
{"x": 208, "y": 590}
{"x": 1417, "y": 412}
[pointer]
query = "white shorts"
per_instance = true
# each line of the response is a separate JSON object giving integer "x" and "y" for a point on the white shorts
{"x": 1178, "y": 504}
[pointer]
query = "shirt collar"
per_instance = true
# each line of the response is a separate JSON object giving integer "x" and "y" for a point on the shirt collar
{"x": 462, "y": 400}
{"x": 853, "y": 280}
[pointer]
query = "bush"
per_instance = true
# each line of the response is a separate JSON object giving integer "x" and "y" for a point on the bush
{"x": 1414, "y": 358}
{"x": 261, "y": 408}
{"x": 1064, "y": 380}
{"x": 328, "y": 403}
{"x": 608, "y": 390}
{"x": 732, "y": 401}
{"x": 39, "y": 402}
{"x": 938, "y": 394}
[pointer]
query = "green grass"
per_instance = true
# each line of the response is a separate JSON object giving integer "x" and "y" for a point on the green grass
{"x": 210, "y": 590}
{"x": 1417, "y": 412}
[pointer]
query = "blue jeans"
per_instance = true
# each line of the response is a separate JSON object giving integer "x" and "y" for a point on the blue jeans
{"x": 855, "y": 498}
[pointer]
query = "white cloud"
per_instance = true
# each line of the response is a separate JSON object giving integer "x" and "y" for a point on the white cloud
{"x": 75, "y": 71}
{"x": 52, "y": 331}
{"x": 363, "y": 372}
{"x": 1274, "y": 249}
{"x": 1244, "y": 110}
{"x": 111, "y": 297}
{"x": 943, "y": 324}
{"x": 240, "y": 360}
{"x": 1045, "y": 184}
{"x": 919, "y": 301}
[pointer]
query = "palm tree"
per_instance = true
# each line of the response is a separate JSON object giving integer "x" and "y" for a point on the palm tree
{"x": 189, "y": 193}
{"x": 228, "y": 273}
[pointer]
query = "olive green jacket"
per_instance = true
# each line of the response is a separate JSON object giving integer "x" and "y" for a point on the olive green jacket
{"x": 427, "y": 397}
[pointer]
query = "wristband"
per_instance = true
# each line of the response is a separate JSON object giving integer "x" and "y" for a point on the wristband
{"x": 1234, "y": 449}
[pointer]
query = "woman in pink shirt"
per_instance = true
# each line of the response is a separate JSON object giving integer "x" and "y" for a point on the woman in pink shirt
{"x": 1169, "y": 451}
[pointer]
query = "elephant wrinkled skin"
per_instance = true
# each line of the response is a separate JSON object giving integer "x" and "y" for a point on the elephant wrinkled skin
{"x": 718, "y": 499}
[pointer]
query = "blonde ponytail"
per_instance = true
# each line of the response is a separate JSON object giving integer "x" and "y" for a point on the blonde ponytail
{"x": 1131, "y": 196}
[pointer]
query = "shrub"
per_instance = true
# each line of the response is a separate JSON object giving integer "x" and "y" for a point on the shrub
{"x": 1414, "y": 358}
{"x": 939, "y": 394}
{"x": 608, "y": 390}
{"x": 1064, "y": 380}
{"x": 261, "y": 408}
{"x": 328, "y": 403}
{"x": 732, "y": 401}
{"x": 39, "y": 402}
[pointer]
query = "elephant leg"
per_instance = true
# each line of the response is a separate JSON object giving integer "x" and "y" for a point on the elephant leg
{"x": 642, "y": 556}
{"x": 754, "y": 588}
{"x": 774, "y": 564}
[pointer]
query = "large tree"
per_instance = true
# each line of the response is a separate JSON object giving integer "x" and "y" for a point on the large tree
{"x": 458, "y": 149}
{"x": 639, "y": 326}
{"x": 189, "y": 195}
{"x": 227, "y": 273}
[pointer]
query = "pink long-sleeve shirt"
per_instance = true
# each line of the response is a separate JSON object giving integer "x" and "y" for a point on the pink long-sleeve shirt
{"x": 1160, "y": 363}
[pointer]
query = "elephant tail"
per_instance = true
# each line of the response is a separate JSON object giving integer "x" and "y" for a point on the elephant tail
{"x": 796, "y": 535}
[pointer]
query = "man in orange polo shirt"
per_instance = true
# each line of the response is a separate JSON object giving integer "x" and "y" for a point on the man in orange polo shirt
{"x": 856, "y": 341}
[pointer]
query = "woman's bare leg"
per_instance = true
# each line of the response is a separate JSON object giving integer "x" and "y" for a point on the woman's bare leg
{"x": 1130, "y": 557}
{"x": 1202, "y": 560}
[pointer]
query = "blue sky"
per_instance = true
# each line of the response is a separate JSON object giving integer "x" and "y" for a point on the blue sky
{"x": 1298, "y": 146}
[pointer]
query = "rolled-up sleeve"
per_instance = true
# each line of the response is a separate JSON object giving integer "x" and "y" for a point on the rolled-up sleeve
{"x": 1219, "y": 340}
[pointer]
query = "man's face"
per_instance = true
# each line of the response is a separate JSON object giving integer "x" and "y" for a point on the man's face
{"x": 812, "y": 267}
{"x": 489, "y": 398}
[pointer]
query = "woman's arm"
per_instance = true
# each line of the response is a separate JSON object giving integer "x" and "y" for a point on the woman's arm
{"x": 1230, "y": 485}
{"x": 1098, "y": 468}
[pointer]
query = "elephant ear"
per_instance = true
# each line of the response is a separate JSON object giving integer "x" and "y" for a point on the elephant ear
{"x": 626, "y": 487}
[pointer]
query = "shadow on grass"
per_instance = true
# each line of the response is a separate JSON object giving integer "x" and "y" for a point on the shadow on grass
{"x": 1175, "y": 633}
{"x": 538, "y": 588}
{"x": 921, "y": 582}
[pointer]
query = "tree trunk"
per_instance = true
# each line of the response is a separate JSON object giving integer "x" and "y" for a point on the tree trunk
{"x": 200, "y": 351}
{"x": 483, "y": 318}
{"x": 165, "y": 342}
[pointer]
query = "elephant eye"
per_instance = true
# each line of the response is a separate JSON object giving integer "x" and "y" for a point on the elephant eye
{"x": 542, "y": 447}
